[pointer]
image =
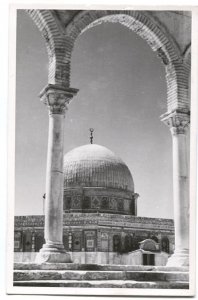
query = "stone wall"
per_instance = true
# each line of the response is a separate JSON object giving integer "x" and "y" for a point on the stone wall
{"x": 112, "y": 258}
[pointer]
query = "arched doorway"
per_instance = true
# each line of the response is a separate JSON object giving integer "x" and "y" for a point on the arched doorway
{"x": 117, "y": 243}
{"x": 165, "y": 245}
{"x": 39, "y": 240}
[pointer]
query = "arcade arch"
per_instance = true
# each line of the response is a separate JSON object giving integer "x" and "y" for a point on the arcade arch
{"x": 60, "y": 39}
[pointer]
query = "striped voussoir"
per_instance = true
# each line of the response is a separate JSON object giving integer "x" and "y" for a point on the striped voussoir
{"x": 60, "y": 41}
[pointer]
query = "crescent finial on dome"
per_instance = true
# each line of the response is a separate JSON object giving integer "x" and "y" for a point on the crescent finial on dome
{"x": 91, "y": 135}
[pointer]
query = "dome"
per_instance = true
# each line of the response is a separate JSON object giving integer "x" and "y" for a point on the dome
{"x": 96, "y": 166}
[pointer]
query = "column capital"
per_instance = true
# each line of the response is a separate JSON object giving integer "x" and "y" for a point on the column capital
{"x": 56, "y": 97}
{"x": 178, "y": 121}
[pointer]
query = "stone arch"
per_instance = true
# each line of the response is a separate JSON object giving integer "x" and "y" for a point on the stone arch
{"x": 57, "y": 94}
{"x": 56, "y": 44}
{"x": 187, "y": 62}
{"x": 140, "y": 22}
{"x": 60, "y": 42}
{"x": 187, "y": 56}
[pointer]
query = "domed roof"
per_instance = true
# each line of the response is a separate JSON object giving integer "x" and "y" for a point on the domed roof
{"x": 96, "y": 166}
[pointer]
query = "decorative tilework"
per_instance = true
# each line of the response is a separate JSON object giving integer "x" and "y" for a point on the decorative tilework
{"x": 76, "y": 241}
{"x": 95, "y": 202}
{"x": 104, "y": 203}
{"x": 113, "y": 203}
{"x": 120, "y": 204}
{"x": 76, "y": 202}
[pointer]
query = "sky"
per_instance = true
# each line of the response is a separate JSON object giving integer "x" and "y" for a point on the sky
{"x": 122, "y": 93}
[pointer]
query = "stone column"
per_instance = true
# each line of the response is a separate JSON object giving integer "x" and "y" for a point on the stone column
{"x": 135, "y": 197}
{"x": 178, "y": 122}
{"x": 56, "y": 98}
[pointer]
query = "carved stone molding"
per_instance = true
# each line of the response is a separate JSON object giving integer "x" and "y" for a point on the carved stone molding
{"x": 178, "y": 121}
{"x": 57, "y": 98}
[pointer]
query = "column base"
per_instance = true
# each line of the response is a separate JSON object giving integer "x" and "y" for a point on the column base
{"x": 53, "y": 253}
{"x": 179, "y": 259}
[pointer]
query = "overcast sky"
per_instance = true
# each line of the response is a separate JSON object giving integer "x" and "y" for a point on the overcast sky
{"x": 122, "y": 93}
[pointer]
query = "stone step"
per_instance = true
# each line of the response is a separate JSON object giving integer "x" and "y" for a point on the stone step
{"x": 73, "y": 266}
{"x": 105, "y": 284}
{"x": 25, "y": 275}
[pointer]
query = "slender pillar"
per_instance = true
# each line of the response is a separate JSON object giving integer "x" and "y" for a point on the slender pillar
{"x": 178, "y": 122}
{"x": 56, "y": 98}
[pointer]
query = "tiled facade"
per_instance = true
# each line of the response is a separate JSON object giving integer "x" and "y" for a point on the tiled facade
{"x": 96, "y": 232}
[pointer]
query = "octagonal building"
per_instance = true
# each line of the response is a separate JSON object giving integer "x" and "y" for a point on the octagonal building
{"x": 100, "y": 222}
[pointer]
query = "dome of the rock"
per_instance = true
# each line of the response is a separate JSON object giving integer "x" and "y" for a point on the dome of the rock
{"x": 96, "y": 166}
{"x": 97, "y": 180}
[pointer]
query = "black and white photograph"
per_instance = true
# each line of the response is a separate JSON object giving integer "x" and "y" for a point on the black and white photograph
{"x": 101, "y": 198}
